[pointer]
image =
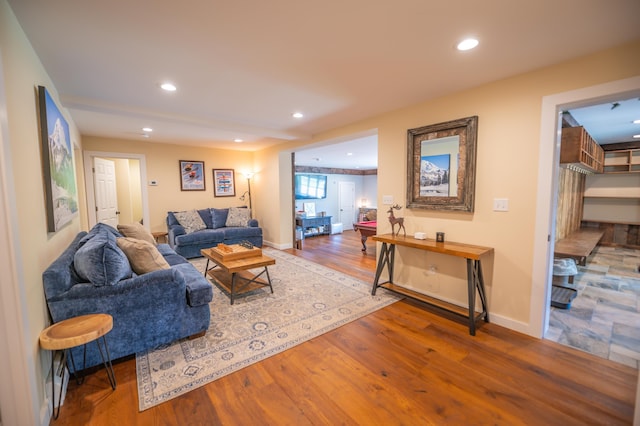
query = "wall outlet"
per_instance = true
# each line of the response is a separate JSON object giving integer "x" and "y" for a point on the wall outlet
{"x": 500, "y": 204}
{"x": 387, "y": 200}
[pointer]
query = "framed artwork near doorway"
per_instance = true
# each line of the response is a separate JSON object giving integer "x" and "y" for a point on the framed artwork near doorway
{"x": 192, "y": 175}
{"x": 57, "y": 163}
{"x": 441, "y": 165}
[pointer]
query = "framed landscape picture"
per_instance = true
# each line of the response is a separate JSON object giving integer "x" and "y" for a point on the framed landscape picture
{"x": 441, "y": 165}
{"x": 57, "y": 163}
{"x": 192, "y": 175}
{"x": 224, "y": 184}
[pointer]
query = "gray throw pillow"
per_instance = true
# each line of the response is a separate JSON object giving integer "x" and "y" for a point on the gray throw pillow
{"x": 238, "y": 216}
{"x": 190, "y": 221}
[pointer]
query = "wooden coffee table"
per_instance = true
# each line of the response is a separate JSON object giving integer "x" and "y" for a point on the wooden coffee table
{"x": 233, "y": 274}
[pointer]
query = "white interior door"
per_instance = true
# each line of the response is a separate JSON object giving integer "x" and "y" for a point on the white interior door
{"x": 346, "y": 204}
{"x": 104, "y": 178}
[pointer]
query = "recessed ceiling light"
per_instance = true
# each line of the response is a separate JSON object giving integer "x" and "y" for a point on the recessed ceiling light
{"x": 349, "y": 153}
{"x": 468, "y": 44}
{"x": 238, "y": 140}
{"x": 169, "y": 87}
{"x": 297, "y": 115}
{"x": 636, "y": 121}
{"x": 636, "y": 136}
{"x": 147, "y": 129}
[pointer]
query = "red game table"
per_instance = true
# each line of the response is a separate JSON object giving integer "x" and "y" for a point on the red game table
{"x": 367, "y": 229}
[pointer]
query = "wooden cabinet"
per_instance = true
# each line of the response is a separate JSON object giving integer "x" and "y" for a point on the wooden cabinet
{"x": 580, "y": 150}
{"x": 312, "y": 226}
{"x": 622, "y": 161}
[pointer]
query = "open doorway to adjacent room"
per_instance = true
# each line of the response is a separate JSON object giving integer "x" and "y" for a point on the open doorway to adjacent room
{"x": 595, "y": 299}
{"x": 335, "y": 184}
{"x": 115, "y": 188}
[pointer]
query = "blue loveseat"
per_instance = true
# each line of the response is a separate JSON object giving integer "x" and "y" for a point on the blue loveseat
{"x": 148, "y": 310}
{"x": 216, "y": 231}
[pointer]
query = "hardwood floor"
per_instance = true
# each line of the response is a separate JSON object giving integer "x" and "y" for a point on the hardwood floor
{"x": 399, "y": 365}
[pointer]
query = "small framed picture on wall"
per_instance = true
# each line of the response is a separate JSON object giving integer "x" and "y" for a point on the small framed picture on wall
{"x": 192, "y": 175}
{"x": 224, "y": 184}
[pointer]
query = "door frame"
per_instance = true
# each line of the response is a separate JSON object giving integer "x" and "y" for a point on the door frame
{"x": 19, "y": 389}
{"x": 88, "y": 179}
{"x": 547, "y": 188}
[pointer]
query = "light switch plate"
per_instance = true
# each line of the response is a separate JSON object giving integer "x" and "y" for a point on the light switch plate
{"x": 500, "y": 204}
{"x": 387, "y": 199}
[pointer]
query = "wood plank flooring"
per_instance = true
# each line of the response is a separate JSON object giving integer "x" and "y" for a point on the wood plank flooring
{"x": 401, "y": 365}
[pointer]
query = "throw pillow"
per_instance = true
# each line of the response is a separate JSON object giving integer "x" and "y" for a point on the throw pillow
{"x": 238, "y": 216}
{"x": 100, "y": 261}
{"x": 190, "y": 221}
{"x": 97, "y": 229}
{"x": 137, "y": 231}
{"x": 219, "y": 218}
{"x": 143, "y": 256}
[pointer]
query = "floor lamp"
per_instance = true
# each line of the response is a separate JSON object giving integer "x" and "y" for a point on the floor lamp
{"x": 248, "y": 175}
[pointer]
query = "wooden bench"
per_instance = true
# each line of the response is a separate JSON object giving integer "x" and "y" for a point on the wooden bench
{"x": 578, "y": 245}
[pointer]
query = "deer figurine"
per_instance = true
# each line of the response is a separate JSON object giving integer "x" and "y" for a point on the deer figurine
{"x": 393, "y": 220}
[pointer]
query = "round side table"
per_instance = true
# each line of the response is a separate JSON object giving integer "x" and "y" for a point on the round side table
{"x": 160, "y": 234}
{"x": 72, "y": 332}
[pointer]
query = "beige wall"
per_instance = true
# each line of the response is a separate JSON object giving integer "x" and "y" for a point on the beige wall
{"x": 508, "y": 145}
{"x": 162, "y": 165}
{"x": 35, "y": 248}
{"x": 507, "y": 167}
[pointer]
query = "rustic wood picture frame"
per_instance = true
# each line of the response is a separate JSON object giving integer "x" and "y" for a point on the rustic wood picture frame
{"x": 457, "y": 138}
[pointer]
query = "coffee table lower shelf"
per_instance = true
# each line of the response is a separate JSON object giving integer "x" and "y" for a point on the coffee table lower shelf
{"x": 237, "y": 283}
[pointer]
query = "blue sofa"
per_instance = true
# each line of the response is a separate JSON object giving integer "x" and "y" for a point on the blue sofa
{"x": 148, "y": 310}
{"x": 216, "y": 232}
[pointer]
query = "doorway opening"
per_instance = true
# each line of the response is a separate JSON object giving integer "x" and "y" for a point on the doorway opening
{"x": 347, "y": 171}
{"x": 553, "y": 106}
{"x": 130, "y": 197}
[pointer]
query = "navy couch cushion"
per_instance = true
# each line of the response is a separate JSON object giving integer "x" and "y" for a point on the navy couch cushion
{"x": 100, "y": 260}
{"x": 235, "y": 232}
{"x": 207, "y": 218}
{"x": 219, "y": 218}
{"x": 100, "y": 228}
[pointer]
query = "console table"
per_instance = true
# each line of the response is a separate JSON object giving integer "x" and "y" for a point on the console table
{"x": 322, "y": 224}
{"x": 475, "y": 280}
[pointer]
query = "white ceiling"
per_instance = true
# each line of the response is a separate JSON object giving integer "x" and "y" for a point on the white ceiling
{"x": 243, "y": 67}
{"x": 359, "y": 153}
{"x": 611, "y": 122}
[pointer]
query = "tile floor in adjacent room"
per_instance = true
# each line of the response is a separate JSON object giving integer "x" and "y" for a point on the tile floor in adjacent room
{"x": 604, "y": 318}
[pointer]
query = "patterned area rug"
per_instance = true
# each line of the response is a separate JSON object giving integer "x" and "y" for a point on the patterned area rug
{"x": 308, "y": 300}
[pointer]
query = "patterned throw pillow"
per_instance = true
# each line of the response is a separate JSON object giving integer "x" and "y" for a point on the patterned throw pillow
{"x": 238, "y": 216}
{"x": 137, "y": 231}
{"x": 190, "y": 221}
{"x": 143, "y": 256}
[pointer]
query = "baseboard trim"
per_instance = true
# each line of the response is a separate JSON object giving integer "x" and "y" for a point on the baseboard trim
{"x": 277, "y": 246}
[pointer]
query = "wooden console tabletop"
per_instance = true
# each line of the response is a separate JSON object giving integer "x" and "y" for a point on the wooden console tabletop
{"x": 475, "y": 280}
